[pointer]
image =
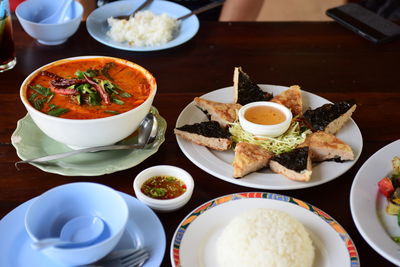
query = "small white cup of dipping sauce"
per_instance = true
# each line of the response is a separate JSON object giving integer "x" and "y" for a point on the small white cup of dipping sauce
{"x": 164, "y": 171}
{"x": 265, "y": 118}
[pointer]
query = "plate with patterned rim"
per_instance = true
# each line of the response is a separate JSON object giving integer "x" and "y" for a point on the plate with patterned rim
{"x": 194, "y": 241}
{"x": 30, "y": 142}
{"x": 219, "y": 163}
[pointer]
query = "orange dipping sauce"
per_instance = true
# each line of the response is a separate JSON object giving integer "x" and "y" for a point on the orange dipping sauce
{"x": 126, "y": 86}
{"x": 264, "y": 115}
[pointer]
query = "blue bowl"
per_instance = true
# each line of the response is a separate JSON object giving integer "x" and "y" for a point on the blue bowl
{"x": 31, "y": 12}
{"x": 51, "y": 210}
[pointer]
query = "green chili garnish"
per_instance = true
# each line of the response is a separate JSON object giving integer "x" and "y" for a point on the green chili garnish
{"x": 57, "y": 112}
{"x": 52, "y": 106}
{"x": 38, "y": 103}
{"x": 125, "y": 95}
{"x": 33, "y": 96}
{"x": 111, "y": 112}
{"x": 105, "y": 69}
{"x": 89, "y": 73}
{"x": 94, "y": 99}
{"x": 118, "y": 101}
{"x": 42, "y": 90}
{"x": 158, "y": 192}
{"x": 78, "y": 99}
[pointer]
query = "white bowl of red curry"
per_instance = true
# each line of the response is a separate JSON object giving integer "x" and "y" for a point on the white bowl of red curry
{"x": 164, "y": 188}
{"x": 90, "y": 100}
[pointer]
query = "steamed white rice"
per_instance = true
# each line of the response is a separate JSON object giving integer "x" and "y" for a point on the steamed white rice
{"x": 265, "y": 237}
{"x": 144, "y": 29}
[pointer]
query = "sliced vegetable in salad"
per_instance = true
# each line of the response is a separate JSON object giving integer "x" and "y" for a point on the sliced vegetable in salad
{"x": 295, "y": 135}
{"x": 390, "y": 187}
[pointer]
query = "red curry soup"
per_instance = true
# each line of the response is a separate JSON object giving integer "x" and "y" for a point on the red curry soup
{"x": 89, "y": 88}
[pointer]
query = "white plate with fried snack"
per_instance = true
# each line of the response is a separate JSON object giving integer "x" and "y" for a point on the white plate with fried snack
{"x": 219, "y": 163}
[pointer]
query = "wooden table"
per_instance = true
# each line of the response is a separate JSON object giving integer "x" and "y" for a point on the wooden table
{"x": 323, "y": 58}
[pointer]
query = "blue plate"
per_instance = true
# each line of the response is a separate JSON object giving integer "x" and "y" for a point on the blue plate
{"x": 143, "y": 229}
{"x": 97, "y": 25}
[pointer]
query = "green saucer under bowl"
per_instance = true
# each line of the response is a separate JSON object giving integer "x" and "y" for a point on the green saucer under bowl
{"x": 30, "y": 142}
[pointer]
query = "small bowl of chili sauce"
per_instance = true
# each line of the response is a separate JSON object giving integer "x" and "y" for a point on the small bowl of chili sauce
{"x": 164, "y": 187}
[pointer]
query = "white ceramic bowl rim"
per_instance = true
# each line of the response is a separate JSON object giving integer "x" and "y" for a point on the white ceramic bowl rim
{"x": 285, "y": 110}
{"x": 125, "y": 209}
{"x": 165, "y": 202}
{"x": 84, "y": 121}
{"x": 78, "y": 15}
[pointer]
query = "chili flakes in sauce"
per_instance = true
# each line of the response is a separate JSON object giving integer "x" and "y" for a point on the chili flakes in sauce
{"x": 163, "y": 187}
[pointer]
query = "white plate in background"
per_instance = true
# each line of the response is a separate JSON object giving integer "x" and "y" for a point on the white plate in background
{"x": 368, "y": 205}
{"x": 97, "y": 25}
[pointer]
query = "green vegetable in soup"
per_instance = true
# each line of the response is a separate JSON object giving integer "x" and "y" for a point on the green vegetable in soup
{"x": 56, "y": 112}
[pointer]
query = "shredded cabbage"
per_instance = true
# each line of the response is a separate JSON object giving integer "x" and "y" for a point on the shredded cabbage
{"x": 277, "y": 145}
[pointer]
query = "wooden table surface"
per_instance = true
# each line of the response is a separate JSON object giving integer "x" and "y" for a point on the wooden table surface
{"x": 323, "y": 58}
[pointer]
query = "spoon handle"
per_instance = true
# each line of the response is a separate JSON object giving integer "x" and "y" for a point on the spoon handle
{"x": 49, "y": 242}
{"x": 64, "y": 10}
{"x": 78, "y": 151}
{"x": 203, "y": 9}
{"x": 143, "y": 5}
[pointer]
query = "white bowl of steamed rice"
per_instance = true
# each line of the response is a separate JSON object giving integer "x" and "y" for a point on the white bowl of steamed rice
{"x": 265, "y": 237}
{"x": 90, "y": 100}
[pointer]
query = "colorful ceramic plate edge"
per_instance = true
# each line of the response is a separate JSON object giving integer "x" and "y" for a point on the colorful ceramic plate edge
{"x": 195, "y": 214}
{"x": 97, "y": 23}
{"x": 15, "y": 249}
{"x": 368, "y": 205}
{"x": 30, "y": 142}
{"x": 218, "y": 163}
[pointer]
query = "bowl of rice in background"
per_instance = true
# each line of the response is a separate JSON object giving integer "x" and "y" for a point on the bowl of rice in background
{"x": 144, "y": 29}
{"x": 154, "y": 28}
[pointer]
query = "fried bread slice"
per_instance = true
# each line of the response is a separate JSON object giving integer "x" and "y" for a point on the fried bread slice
{"x": 207, "y": 133}
{"x": 245, "y": 90}
{"x": 291, "y": 98}
{"x": 223, "y": 113}
{"x": 329, "y": 117}
{"x": 295, "y": 165}
{"x": 249, "y": 158}
{"x": 325, "y": 146}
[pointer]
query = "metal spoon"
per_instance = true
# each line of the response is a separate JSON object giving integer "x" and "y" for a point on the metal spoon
{"x": 194, "y": 12}
{"x": 78, "y": 231}
{"x": 202, "y": 9}
{"x": 147, "y": 134}
{"x": 143, "y": 5}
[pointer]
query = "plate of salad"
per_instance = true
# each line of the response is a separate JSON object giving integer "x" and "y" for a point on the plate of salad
{"x": 219, "y": 163}
{"x": 375, "y": 201}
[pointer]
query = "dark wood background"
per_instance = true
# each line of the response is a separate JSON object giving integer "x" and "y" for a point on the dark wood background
{"x": 323, "y": 58}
